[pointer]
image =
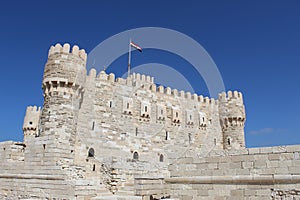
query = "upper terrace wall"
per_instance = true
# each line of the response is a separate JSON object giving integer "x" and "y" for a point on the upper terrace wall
{"x": 255, "y": 173}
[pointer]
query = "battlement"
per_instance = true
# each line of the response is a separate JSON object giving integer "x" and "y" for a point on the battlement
{"x": 231, "y": 96}
{"x": 231, "y": 106}
{"x": 65, "y": 70}
{"x": 33, "y": 109}
{"x": 65, "y": 49}
{"x": 147, "y": 82}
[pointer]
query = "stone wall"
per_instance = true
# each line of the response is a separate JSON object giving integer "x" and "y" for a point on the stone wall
{"x": 255, "y": 173}
{"x": 24, "y": 178}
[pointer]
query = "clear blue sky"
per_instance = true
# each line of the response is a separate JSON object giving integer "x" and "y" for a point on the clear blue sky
{"x": 255, "y": 44}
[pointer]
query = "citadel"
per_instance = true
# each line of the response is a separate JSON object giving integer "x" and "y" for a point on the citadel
{"x": 102, "y": 137}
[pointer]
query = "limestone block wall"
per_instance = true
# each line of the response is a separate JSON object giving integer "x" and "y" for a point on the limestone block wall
{"x": 150, "y": 187}
{"x": 12, "y": 151}
{"x": 255, "y": 173}
{"x": 28, "y": 177}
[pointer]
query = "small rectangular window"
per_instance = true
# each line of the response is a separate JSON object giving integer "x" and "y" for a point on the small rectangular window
{"x": 167, "y": 135}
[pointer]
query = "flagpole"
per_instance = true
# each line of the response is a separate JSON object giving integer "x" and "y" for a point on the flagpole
{"x": 129, "y": 58}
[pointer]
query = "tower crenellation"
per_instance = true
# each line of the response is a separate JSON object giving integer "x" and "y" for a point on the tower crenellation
{"x": 31, "y": 121}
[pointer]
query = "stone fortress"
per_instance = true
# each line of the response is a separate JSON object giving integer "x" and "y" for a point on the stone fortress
{"x": 101, "y": 137}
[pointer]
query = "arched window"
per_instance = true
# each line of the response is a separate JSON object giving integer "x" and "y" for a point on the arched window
{"x": 145, "y": 108}
{"x": 135, "y": 155}
{"x": 161, "y": 158}
{"x": 91, "y": 153}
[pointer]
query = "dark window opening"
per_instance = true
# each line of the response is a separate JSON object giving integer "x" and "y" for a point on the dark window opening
{"x": 91, "y": 153}
{"x": 94, "y": 167}
{"x": 110, "y": 104}
{"x": 161, "y": 158}
{"x": 161, "y": 112}
{"x": 228, "y": 141}
{"x": 176, "y": 114}
{"x": 135, "y": 156}
{"x": 93, "y": 126}
{"x": 215, "y": 141}
{"x": 203, "y": 119}
{"x": 190, "y": 117}
{"x": 167, "y": 135}
{"x": 44, "y": 146}
{"x": 145, "y": 108}
{"x": 190, "y": 137}
{"x": 30, "y": 123}
{"x": 136, "y": 131}
{"x": 127, "y": 105}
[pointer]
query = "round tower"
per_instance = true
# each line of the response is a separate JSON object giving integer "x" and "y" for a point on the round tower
{"x": 31, "y": 122}
{"x": 63, "y": 81}
{"x": 232, "y": 119}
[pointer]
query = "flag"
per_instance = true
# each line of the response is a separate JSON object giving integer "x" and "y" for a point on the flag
{"x": 136, "y": 46}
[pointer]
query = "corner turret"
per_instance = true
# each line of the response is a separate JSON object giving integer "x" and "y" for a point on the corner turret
{"x": 64, "y": 70}
{"x": 31, "y": 121}
{"x": 232, "y": 119}
{"x": 63, "y": 82}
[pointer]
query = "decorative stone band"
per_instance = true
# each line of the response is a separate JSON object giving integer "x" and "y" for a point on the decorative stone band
{"x": 32, "y": 176}
{"x": 244, "y": 179}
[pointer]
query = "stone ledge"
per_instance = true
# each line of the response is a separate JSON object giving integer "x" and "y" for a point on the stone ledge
{"x": 244, "y": 179}
{"x": 31, "y": 176}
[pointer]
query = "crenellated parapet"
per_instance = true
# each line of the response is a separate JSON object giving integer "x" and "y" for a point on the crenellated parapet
{"x": 231, "y": 109}
{"x": 232, "y": 119}
{"x": 31, "y": 121}
{"x": 65, "y": 70}
{"x": 140, "y": 80}
{"x": 65, "y": 49}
